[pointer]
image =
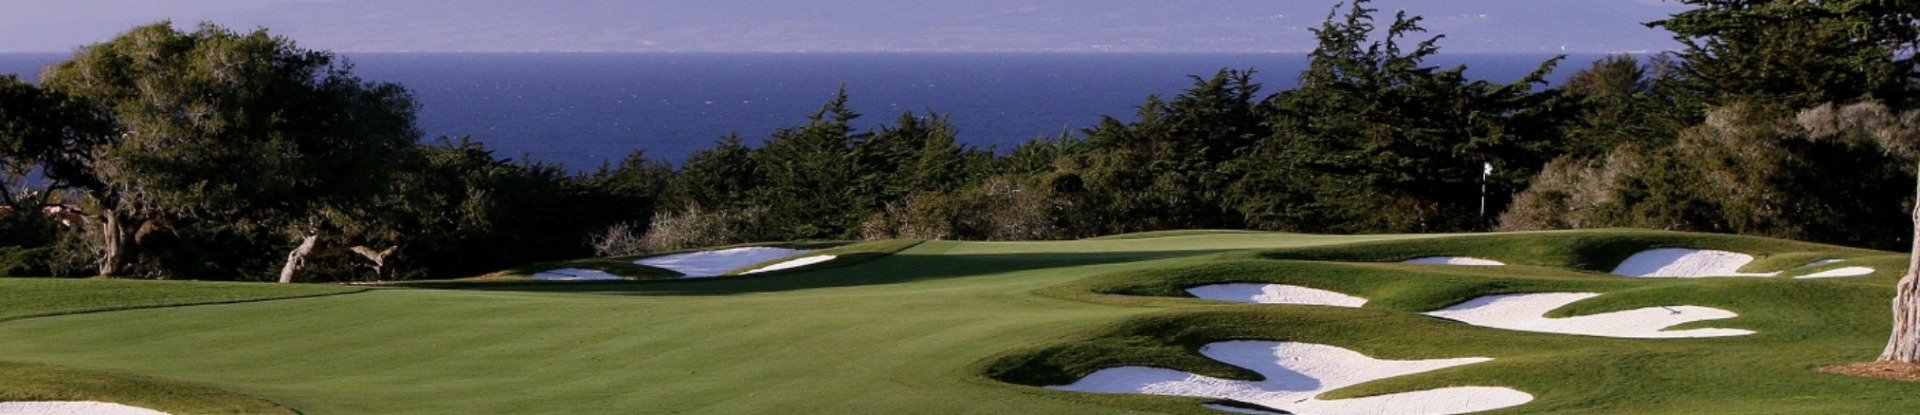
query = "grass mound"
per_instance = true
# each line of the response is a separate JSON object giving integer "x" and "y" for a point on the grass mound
{"x": 30, "y": 382}
{"x": 31, "y": 298}
{"x": 1597, "y": 251}
{"x": 1802, "y": 324}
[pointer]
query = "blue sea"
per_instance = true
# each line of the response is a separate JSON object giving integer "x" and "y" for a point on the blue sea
{"x": 585, "y": 109}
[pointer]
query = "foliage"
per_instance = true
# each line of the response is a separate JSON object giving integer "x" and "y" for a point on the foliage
{"x": 470, "y": 212}
{"x": 1169, "y": 169}
{"x": 696, "y": 227}
{"x": 1747, "y": 169}
{"x": 718, "y": 177}
{"x": 811, "y": 180}
{"x": 247, "y": 130}
{"x": 621, "y": 239}
{"x": 1617, "y": 102}
{"x": 1372, "y": 141}
{"x": 1797, "y": 53}
{"x": 1751, "y": 67}
{"x": 1004, "y": 208}
{"x": 224, "y": 155}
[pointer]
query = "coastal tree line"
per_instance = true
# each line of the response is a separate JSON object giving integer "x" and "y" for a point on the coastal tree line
{"x": 214, "y": 154}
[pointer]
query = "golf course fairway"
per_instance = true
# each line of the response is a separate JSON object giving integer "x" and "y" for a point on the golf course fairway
{"x": 964, "y": 328}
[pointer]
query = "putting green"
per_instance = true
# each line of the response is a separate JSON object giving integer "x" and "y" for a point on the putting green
{"x": 935, "y": 328}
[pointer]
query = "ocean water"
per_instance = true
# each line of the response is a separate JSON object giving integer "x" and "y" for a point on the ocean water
{"x": 582, "y": 110}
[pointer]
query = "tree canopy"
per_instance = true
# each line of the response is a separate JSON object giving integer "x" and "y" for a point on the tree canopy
{"x": 244, "y": 129}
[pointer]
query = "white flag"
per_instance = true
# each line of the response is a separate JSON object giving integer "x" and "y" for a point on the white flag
{"x": 1489, "y": 169}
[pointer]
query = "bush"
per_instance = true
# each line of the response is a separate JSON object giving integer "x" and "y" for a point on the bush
{"x": 695, "y": 227}
{"x": 1571, "y": 192}
{"x": 621, "y": 239}
{"x": 24, "y": 262}
{"x": 1006, "y": 208}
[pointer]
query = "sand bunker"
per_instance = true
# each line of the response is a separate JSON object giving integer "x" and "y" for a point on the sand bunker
{"x": 1686, "y": 263}
{"x": 1839, "y": 272}
{"x": 1238, "y": 410}
{"x": 715, "y": 263}
{"x": 1296, "y": 373}
{"x": 1275, "y": 294}
{"x": 1821, "y": 262}
{"x": 577, "y": 274}
{"x": 72, "y": 408}
{"x": 1525, "y": 312}
{"x": 1454, "y": 260}
{"x": 791, "y": 264}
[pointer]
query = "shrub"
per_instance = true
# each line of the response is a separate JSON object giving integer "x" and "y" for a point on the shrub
{"x": 621, "y": 239}
{"x": 696, "y": 227}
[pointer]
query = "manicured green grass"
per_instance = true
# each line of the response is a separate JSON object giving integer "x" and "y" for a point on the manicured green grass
{"x": 968, "y": 328}
{"x": 41, "y": 297}
{"x": 28, "y": 298}
{"x": 28, "y": 382}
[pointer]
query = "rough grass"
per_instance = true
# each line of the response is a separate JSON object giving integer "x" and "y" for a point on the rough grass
{"x": 29, "y": 382}
{"x": 972, "y": 328}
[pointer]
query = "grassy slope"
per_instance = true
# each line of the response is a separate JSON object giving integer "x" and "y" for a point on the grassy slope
{"x": 28, "y": 298}
{"x": 908, "y": 333}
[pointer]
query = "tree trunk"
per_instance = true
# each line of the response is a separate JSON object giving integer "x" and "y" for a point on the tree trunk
{"x": 298, "y": 258}
{"x": 1904, "y": 345}
{"x": 117, "y": 240}
{"x": 378, "y": 258}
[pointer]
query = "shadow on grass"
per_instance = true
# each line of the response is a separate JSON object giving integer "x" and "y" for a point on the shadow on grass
{"x": 888, "y": 269}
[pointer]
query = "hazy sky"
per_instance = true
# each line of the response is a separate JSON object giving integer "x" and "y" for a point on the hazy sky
{"x": 838, "y": 25}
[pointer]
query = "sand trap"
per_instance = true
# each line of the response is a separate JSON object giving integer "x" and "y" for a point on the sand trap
{"x": 795, "y": 263}
{"x": 1839, "y": 272}
{"x": 72, "y": 408}
{"x": 1454, "y": 260}
{"x": 1298, "y": 372}
{"x": 1822, "y": 262}
{"x": 1275, "y": 294}
{"x": 577, "y": 274}
{"x": 714, "y": 263}
{"x": 1686, "y": 263}
{"x": 1238, "y": 410}
{"x": 1524, "y": 312}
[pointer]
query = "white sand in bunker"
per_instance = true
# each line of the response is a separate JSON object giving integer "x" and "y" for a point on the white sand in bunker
{"x": 713, "y": 263}
{"x": 1526, "y": 312}
{"x": 1823, "y": 261}
{"x": 1839, "y": 273}
{"x": 577, "y": 274}
{"x": 793, "y": 263}
{"x": 1454, "y": 260}
{"x": 1275, "y": 294}
{"x": 1686, "y": 263}
{"x": 72, "y": 408}
{"x": 1238, "y": 410}
{"x": 1297, "y": 373}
